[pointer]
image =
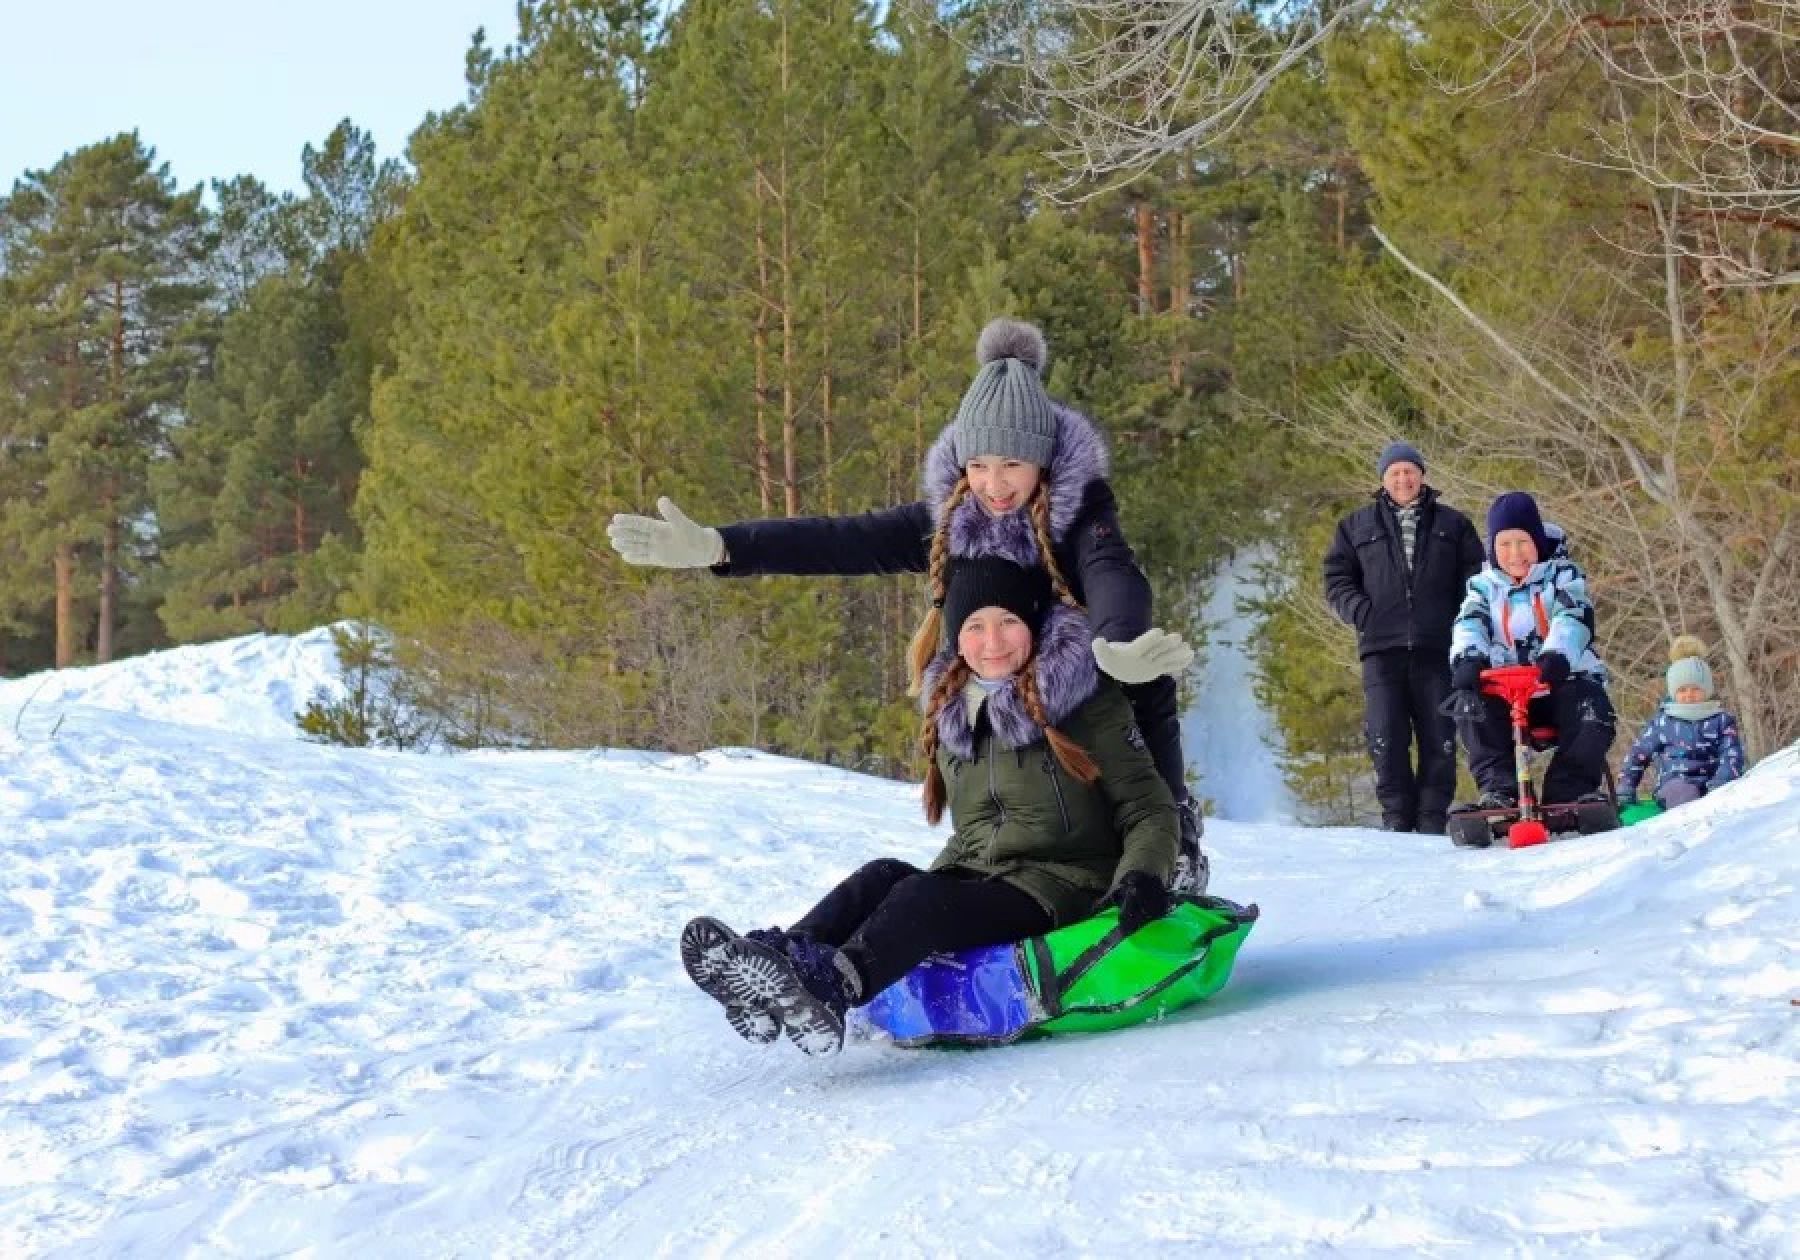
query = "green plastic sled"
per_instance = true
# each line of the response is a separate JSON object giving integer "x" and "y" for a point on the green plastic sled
{"x": 1082, "y": 978}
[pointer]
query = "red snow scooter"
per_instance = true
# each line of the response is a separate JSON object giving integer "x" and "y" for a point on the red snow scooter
{"x": 1530, "y": 823}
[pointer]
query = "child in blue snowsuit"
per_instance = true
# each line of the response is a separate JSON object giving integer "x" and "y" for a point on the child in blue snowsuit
{"x": 1529, "y": 606}
{"x": 1692, "y": 739}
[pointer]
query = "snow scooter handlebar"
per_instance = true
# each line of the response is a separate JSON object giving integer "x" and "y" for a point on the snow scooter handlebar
{"x": 1518, "y": 685}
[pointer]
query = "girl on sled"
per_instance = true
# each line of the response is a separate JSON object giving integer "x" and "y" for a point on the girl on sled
{"x": 1055, "y": 805}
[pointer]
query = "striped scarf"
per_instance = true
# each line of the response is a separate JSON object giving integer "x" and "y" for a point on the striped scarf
{"x": 1408, "y": 517}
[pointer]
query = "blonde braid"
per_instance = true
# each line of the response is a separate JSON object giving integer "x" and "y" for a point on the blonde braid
{"x": 951, "y": 684}
{"x": 1072, "y": 757}
{"x": 924, "y": 644}
{"x": 1040, "y": 526}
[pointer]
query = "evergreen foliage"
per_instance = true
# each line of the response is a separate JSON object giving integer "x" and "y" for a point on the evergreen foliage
{"x": 740, "y": 257}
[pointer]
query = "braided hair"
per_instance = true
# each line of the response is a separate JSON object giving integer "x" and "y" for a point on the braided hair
{"x": 1072, "y": 757}
{"x": 948, "y": 688}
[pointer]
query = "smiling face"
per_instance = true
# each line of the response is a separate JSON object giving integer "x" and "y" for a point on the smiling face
{"x": 1689, "y": 693}
{"x": 994, "y": 643}
{"x": 1002, "y": 485}
{"x": 1402, "y": 481}
{"x": 1516, "y": 553}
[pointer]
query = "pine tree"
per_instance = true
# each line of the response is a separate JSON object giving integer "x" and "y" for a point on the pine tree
{"x": 103, "y": 273}
{"x": 254, "y": 500}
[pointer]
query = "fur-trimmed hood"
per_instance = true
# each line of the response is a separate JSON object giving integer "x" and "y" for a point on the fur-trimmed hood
{"x": 1078, "y": 459}
{"x": 1066, "y": 675}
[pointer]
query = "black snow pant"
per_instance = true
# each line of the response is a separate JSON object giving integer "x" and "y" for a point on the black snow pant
{"x": 1154, "y": 705}
{"x": 1403, "y": 689}
{"x": 889, "y": 916}
{"x": 1583, "y": 716}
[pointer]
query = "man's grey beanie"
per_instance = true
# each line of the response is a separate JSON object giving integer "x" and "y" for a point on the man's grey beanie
{"x": 1396, "y": 453}
{"x": 1005, "y": 412}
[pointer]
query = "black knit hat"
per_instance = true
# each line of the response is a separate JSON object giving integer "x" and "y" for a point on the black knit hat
{"x": 1399, "y": 453}
{"x": 990, "y": 582}
{"x": 1516, "y": 510}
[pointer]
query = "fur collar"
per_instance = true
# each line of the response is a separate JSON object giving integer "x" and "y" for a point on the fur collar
{"x": 1078, "y": 460}
{"x": 1066, "y": 677}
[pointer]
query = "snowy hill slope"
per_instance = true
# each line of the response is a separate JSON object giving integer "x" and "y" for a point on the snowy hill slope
{"x": 259, "y": 997}
{"x": 252, "y": 685}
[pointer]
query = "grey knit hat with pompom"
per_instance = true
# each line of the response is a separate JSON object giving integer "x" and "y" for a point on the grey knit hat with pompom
{"x": 1005, "y": 413}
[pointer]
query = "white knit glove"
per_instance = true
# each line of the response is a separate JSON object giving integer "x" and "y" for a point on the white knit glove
{"x": 1151, "y": 655}
{"x": 674, "y": 542}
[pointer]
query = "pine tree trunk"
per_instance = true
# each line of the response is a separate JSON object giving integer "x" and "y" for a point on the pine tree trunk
{"x": 1180, "y": 281}
{"x": 65, "y": 604}
{"x": 918, "y": 340}
{"x": 301, "y": 468}
{"x": 265, "y": 550}
{"x": 109, "y": 538}
{"x": 109, "y": 586}
{"x": 764, "y": 479}
{"x": 825, "y": 421}
{"x": 790, "y": 420}
{"x": 1146, "y": 252}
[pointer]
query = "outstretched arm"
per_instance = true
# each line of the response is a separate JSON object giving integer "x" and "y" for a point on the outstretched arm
{"x": 891, "y": 540}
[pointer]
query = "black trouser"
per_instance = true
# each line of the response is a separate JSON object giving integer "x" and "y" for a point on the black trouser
{"x": 890, "y": 915}
{"x": 1403, "y": 689}
{"x": 1583, "y": 717}
{"x": 1154, "y": 705}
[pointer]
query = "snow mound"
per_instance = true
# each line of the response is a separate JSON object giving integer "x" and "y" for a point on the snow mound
{"x": 252, "y": 685}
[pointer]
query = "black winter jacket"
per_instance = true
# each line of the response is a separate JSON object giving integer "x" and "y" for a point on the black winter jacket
{"x": 1369, "y": 586}
{"x": 1102, "y": 571}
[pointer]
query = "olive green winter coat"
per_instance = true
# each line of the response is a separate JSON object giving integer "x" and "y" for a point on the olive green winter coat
{"x": 1019, "y": 817}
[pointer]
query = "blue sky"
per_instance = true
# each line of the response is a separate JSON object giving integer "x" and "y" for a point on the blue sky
{"x": 221, "y": 88}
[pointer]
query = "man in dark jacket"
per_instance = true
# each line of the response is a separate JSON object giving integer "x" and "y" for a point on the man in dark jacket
{"x": 1396, "y": 572}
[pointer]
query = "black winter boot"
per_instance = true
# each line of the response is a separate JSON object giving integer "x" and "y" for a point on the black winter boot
{"x": 807, "y": 986}
{"x": 707, "y": 958}
{"x": 1192, "y": 869}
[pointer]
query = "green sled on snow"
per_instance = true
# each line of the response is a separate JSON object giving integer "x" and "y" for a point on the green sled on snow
{"x": 1081, "y": 978}
{"x": 1639, "y": 811}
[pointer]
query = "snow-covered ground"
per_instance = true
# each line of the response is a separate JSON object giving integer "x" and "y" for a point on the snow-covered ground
{"x": 1227, "y": 735}
{"x": 260, "y": 997}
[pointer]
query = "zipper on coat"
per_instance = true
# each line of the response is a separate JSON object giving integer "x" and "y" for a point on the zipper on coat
{"x": 1062, "y": 806}
{"x": 999, "y": 809}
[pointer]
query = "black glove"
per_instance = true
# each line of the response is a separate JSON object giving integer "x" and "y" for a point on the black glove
{"x": 1465, "y": 673}
{"x": 1553, "y": 668}
{"x": 1140, "y": 897}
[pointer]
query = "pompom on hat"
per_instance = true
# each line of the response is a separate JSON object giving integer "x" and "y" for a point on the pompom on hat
{"x": 1005, "y": 412}
{"x": 1688, "y": 667}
